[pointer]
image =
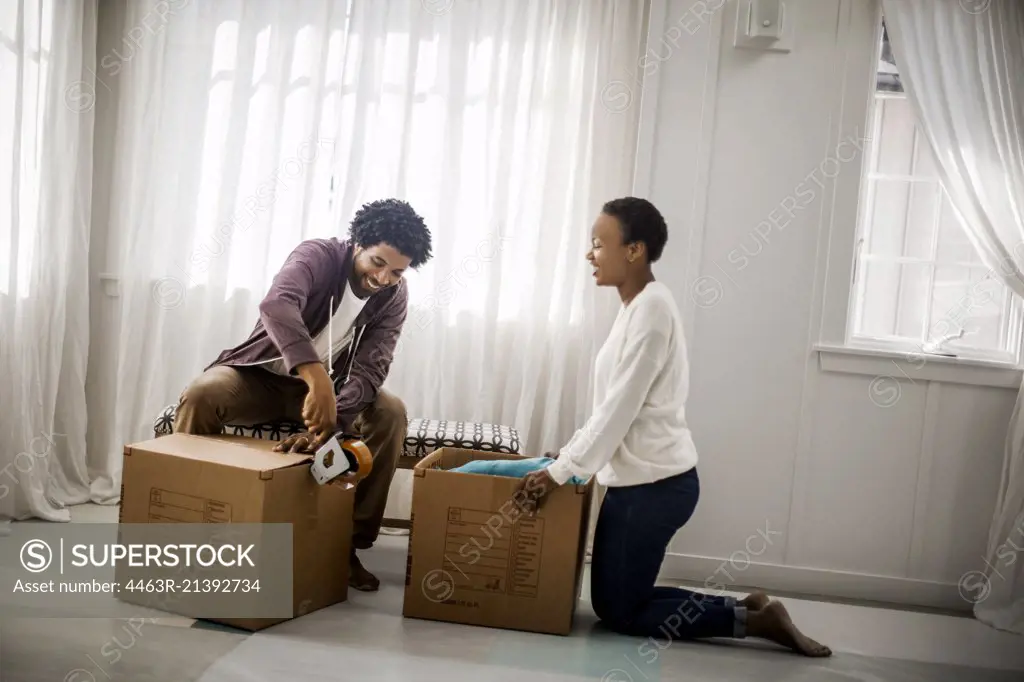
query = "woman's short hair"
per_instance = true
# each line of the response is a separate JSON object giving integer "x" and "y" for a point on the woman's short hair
{"x": 641, "y": 222}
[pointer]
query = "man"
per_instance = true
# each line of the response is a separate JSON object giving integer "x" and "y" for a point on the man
{"x": 321, "y": 349}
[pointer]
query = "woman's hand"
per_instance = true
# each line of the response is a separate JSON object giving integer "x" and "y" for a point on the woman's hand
{"x": 532, "y": 490}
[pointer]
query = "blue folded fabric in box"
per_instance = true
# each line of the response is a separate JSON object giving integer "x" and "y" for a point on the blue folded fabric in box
{"x": 512, "y": 468}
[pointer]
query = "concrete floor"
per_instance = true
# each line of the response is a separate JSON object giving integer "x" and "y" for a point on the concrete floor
{"x": 367, "y": 638}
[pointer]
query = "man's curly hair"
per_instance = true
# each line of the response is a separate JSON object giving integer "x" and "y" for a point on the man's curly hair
{"x": 641, "y": 222}
{"x": 393, "y": 222}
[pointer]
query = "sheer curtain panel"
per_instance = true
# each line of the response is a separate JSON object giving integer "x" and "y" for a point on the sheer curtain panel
{"x": 962, "y": 64}
{"x": 47, "y": 61}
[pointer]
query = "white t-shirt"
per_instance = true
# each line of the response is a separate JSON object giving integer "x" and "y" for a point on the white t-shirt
{"x": 637, "y": 432}
{"x": 336, "y": 336}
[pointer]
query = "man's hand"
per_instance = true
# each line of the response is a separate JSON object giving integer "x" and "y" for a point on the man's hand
{"x": 319, "y": 411}
{"x": 303, "y": 442}
{"x": 532, "y": 490}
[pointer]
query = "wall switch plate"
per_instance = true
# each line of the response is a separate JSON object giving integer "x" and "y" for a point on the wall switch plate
{"x": 111, "y": 283}
{"x": 765, "y": 25}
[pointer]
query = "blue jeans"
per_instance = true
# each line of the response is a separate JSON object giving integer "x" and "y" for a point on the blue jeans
{"x": 634, "y": 528}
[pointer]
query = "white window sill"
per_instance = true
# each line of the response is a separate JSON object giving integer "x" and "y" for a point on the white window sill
{"x": 917, "y": 367}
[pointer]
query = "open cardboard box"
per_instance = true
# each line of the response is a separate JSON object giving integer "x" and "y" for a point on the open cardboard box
{"x": 182, "y": 478}
{"x": 475, "y": 559}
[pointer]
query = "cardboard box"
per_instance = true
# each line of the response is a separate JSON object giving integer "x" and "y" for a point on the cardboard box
{"x": 475, "y": 559}
{"x": 181, "y": 478}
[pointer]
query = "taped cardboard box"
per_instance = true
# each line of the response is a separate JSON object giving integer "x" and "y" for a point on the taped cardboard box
{"x": 475, "y": 559}
{"x": 182, "y": 478}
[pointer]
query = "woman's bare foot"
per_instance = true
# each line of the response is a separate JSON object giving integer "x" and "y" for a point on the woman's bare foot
{"x": 360, "y": 578}
{"x": 774, "y": 624}
{"x": 755, "y": 601}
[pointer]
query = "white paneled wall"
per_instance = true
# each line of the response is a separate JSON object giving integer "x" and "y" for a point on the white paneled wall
{"x": 855, "y": 499}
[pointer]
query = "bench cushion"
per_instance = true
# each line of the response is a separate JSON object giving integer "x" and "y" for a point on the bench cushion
{"x": 426, "y": 435}
{"x": 422, "y": 437}
{"x": 276, "y": 430}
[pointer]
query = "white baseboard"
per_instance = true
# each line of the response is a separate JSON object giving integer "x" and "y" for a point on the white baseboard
{"x": 814, "y": 582}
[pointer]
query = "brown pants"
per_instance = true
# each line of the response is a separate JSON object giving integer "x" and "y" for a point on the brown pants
{"x": 251, "y": 395}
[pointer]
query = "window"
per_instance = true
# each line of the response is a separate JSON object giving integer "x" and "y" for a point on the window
{"x": 401, "y": 113}
{"x": 919, "y": 284}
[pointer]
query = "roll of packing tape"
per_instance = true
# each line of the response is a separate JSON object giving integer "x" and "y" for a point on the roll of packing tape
{"x": 359, "y": 456}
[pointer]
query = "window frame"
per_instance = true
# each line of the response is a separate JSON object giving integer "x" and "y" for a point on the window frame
{"x": 1011, "y": 322}
{"x": 838, "y": 348}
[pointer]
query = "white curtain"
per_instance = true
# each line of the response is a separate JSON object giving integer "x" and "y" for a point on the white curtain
{"x": 962, "y": 65}
{"x": 246, "y": 126}
{"x": 47, "y": 55}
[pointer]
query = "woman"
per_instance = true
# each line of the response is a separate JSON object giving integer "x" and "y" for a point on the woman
{"x": 639, "y": 446}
